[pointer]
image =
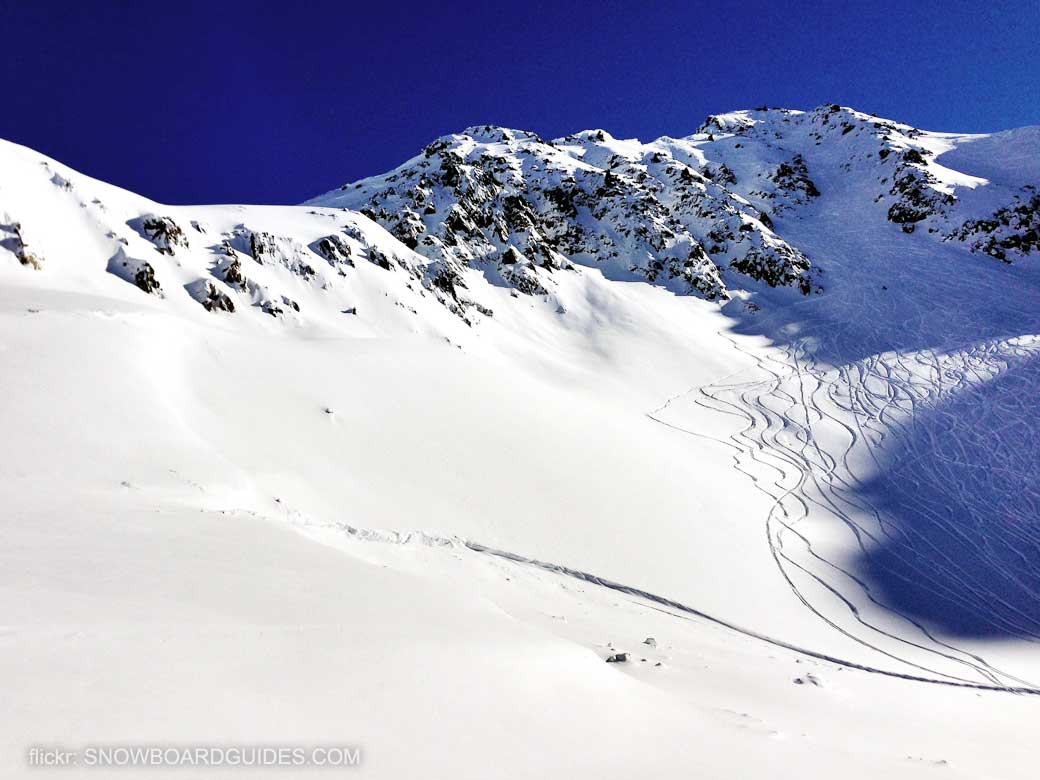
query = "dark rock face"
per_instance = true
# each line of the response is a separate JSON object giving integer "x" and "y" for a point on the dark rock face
{"x": 778, "y": 268}
{"x": 268, "y": 249}
{"x": 232, "y": 274}
{"x": 793, "y": 178}
{"x": 916, "y": 200}
{"x": 522, "y": 209}
{"x": 16, "y": 243}
{"x": 217, "y": 301}
{"x": 701, "y": 215}
{"x": 164, "y": 233}
{"x": 379, "y": 258}
{"x": 1011, "y": 230}
{"x": 892, "y": 154}
{"x": 617, "y": 658}
{"x": 137, "y": 272}
{"x": 335, "y": 250}
{"x": 261, "y": 245}
{"x": 144, "y": 278}
{"x": 272, "y": 250}
{"x": 211, "y": 298}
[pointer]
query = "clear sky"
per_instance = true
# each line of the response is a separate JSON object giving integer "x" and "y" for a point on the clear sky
{"x": 275, "y": 102}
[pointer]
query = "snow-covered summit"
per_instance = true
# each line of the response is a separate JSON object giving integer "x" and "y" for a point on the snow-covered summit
{"x": 523, "y": 209}
{"x": 704, "y": 214}
{"x": 716, "y": 214}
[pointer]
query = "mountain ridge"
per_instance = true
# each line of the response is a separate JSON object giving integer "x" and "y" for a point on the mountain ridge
{"x": 683, "y": 210}
{"x": 711, "y": 214}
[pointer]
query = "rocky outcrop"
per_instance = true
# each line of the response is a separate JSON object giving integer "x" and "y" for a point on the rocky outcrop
{"x": 335, "y": 250}
{"x": 164, "y": 233}
{"x": 267, "y": 248}
{"x": 917, "y": 197}
{"x": 792, "y": 178}
{"x": 14, "y": 241}
{"x": 212, "y": 299}
{"x": 1013, "y": 230}
{"x": 138, "y": 272}
{"x": 523, "y": 210}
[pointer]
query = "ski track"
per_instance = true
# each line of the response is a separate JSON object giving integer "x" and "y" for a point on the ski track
{"x": 650, "y": 600}
{"x": 895, "y": 393}
{"x": 906, "y": 366}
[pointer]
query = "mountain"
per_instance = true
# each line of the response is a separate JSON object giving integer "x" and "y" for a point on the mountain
{"x": 749, "y": 413}
{"x": 699, "y": 214}
{"x": 709, "y": 215}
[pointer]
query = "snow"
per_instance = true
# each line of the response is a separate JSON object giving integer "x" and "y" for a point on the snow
{"x": 422, "y": 527}
{"x": 1007, "y": 158}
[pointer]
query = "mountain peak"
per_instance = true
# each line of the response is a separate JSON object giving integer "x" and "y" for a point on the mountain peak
{"x": 495, "y": 134}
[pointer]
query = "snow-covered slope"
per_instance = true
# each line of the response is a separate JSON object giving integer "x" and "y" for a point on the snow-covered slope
{"x": 405, "y": 476}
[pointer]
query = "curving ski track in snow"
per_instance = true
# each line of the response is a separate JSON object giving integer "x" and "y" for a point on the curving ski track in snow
{"x": 824, "y": 412}
{"x": 809, "y": 423}
{"x": 664, "y": 604}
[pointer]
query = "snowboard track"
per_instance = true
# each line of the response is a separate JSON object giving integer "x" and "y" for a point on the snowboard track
{"x": 665, "y": 605}
{"x": 668, "y": 606}
{"x": 909, "y": 365}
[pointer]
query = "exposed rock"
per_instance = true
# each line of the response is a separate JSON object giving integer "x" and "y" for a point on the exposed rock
{"x": 268, "y": 249}
{"x": 231, "y": 272}
{"x": 260, "y": 245}
{"x": 793, "y": 178}
{"x": 335, "y": 250}
{"x": 916, "y": 200}
{"x": 17, "y": 244}
{"x": 519, "y": 209}
{"x": 144, "y": 277}
{"x": 137, "y": 272}
{"x": 1013, "y": 229}
{"x": 207, "y": 294}
{"x": 164, "y": 233}
{"x": 380, "y": 258}
{"x": 60, "y": 181}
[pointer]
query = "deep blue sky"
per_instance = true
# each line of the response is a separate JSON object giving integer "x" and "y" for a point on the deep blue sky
{"x": 227, "y": 102}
